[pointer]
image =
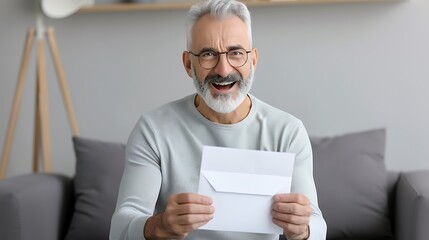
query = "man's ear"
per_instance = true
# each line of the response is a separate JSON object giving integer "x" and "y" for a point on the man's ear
{"x": 254, "y": 58}
{"x": 187, "y": 63}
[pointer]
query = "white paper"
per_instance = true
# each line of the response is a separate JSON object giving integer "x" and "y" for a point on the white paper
{"x": 241, "y": 184}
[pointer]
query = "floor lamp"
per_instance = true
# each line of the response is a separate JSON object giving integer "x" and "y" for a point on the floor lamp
{"x": 41, "y": 140}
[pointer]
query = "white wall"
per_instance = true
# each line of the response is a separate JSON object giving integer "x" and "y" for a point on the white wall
{"x": 339, "y": 67}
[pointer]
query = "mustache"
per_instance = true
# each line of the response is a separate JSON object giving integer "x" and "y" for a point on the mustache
{"x": 234, "y": 77}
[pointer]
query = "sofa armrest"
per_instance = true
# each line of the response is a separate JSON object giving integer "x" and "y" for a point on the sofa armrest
{"x": 35, "y": 206}
{"x": 412, "y": 206}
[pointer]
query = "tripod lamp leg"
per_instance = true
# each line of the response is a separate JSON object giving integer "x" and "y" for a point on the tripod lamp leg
{"x": 16, "y": 102}
{"x": 43, "y": 107}
{"x": 36, "y": 137}
{"x": 62, "y": 80}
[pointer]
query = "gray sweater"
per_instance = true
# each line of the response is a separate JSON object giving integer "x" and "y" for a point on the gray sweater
{"x": 163, "y": 157}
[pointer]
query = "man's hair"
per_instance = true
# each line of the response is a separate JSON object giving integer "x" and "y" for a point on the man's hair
{"x": 220, "y": 9}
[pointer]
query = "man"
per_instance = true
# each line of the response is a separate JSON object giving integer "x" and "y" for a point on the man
{"x": 158, "y": 194}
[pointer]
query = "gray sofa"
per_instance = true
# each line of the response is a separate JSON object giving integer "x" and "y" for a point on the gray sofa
{"x": 358, "y": 197}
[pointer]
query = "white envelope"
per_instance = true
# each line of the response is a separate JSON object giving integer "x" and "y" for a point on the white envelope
{"x": 241, "y": 184}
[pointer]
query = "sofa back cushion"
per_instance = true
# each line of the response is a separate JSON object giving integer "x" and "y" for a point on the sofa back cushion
{"x": 99, "y": 168}
{"x": 349, "y": 172}
{"x": 352, "y": 187}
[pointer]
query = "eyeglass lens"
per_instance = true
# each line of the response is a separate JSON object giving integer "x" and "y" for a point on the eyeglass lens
{"x": 235, "y": 57}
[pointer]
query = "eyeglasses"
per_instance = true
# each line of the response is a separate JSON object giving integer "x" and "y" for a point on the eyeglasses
{"x": 235, "y": 57}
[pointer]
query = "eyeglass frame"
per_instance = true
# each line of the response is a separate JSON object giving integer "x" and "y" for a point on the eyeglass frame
{"x": 218, "y": 57}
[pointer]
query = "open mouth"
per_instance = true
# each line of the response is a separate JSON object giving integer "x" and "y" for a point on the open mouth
{"x": 223, "y": 85}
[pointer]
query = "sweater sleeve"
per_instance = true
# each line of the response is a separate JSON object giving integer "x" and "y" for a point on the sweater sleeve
{"x": 303, "y": 181}
{"x": 140, "y": 185}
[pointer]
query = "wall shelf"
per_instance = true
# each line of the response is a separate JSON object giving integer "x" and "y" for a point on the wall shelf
{"x": 128, "y": 7}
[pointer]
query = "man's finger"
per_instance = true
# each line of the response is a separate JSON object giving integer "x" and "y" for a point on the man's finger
{"x": 192, "y": 219}
{"x": 291, "y": 198}
{"x": 184, "y": 198}
{"x": 290, "y": 218}
{"x": 192, "y": 208}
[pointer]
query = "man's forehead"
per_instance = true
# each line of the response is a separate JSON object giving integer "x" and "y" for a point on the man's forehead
{"x": 229, "y": 32}
{"x": 210, "y": 18}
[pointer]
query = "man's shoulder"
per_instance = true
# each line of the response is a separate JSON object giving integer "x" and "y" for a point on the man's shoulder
{"x": 168, "y": 113}
{"x": 273, "y": 113}
{"x": 172, "y": 107}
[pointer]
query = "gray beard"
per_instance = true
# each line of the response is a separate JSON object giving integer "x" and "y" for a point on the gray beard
{"x": 225, "y": 103}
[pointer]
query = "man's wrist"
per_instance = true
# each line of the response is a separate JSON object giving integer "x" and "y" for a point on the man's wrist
{"x": 308, "y": 232}
{"x": 304, "y": 236}
{"x": 151, "y": 228}
{"x": 148, "y": 228}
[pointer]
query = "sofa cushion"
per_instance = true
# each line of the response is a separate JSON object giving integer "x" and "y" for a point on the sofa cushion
{"x": 351, "y": 181}
{"x": 99, "y": 168}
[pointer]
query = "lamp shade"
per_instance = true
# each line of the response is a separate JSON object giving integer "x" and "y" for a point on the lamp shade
{"x": 63, "y": 8}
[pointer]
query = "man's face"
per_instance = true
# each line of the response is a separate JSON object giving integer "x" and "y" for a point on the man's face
{"x": 223, "y": 87}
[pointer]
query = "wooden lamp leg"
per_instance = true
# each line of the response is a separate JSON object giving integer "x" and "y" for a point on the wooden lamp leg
{"x": 36, "y": 137}
{"x": 16, "y": 103}
{"x": 43, "y": 107}
{"x": 62, "y": 80}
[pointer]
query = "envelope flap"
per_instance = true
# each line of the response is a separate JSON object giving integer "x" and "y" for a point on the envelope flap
{"x": 246, "y": 183}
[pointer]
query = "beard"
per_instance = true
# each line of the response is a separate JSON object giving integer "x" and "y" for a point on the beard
{"x": 223, "y": 103}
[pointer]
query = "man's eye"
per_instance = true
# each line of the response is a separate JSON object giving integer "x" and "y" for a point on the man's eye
{"x": 208, "y": 54}
{"x": 236, "y": 53}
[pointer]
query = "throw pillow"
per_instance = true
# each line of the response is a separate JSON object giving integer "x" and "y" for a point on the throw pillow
{"x": 351, "y": 181}
{"x": 99, "y": 168}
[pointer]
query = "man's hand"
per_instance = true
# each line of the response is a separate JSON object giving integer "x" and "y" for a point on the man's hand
{"x": 292, "y": 213}
{"x": 184, "y": 213}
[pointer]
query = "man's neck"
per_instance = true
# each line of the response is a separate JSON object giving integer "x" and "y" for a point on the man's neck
{"x": 235, "y": 116}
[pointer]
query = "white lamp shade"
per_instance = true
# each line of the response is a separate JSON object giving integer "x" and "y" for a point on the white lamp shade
{"x": 63, "y": 8}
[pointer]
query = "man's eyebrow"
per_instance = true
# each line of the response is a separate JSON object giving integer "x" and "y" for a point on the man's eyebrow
{"x": 207, "y": 49}
{"x": 210, "y": 49}
{"x": 233, "y": 47}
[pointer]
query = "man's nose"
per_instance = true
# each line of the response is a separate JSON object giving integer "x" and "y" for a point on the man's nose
{"x": 223, "y": 67}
